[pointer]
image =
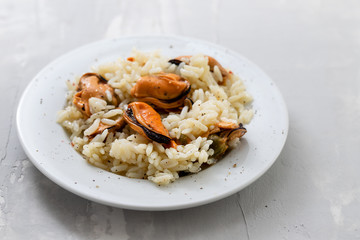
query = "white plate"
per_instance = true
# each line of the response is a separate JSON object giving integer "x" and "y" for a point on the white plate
{"x": 48, "y": 146}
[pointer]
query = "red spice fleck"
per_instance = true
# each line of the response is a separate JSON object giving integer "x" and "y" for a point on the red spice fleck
{"x": 72, "y": 144}
{"x": 230, "y": 72}
{"x": 130, "y": 59}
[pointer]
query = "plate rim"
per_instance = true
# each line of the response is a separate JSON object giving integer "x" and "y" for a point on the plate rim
{"x": 185, "y": 205}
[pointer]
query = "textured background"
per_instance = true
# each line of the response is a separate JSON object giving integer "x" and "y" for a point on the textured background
{"x": 311, "y": 49}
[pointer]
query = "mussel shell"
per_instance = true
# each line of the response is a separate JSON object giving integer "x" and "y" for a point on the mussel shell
{"x": 188, "y": 102}
{"x": 221, "y": 139}
{"x": 237, "y": 132}
{"x": 177, "y": 62}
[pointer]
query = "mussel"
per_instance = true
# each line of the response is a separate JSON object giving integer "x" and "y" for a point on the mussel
{"x": 92, "y": 85}
{"x": 222, "y": 134}
{"x": 164, "y": 90}
{"x": 120, "y": 123}
{"x": 143, "y": 119}
{"x": 212, "y": 62}
{"x": 232, "y": 133}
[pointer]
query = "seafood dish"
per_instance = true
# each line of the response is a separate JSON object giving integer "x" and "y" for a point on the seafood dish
{"x": 155, "y": 117}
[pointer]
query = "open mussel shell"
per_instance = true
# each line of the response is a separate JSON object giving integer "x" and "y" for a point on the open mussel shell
{"x": 221, "y": 139}
{"x": 143, "y": 119}
{"x": 231, "y": 134}
{"x": 236, "y": 133}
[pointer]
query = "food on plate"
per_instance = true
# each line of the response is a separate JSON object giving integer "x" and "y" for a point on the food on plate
{"x": 154, "y": 117}
{"x": 164, "y": 90}
{"x": 142, "y": 118}
{"x": 92, "y": 85}
{"x": 211, "y": 62}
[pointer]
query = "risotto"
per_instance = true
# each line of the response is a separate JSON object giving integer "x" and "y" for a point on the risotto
{"x": 153, "y": 117}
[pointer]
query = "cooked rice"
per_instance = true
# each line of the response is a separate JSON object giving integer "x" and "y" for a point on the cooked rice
{"x": 130, "y": 154}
